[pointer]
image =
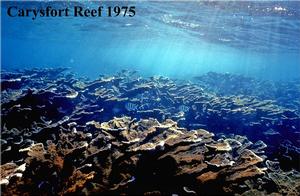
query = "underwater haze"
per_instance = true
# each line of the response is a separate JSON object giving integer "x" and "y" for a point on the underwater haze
{"x": 178, "y": 39}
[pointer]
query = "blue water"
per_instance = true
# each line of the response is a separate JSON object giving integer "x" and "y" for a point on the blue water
{"x": 177, "y": 39}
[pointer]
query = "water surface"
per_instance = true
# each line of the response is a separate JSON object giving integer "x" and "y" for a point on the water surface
{"x": 178, "y": 39}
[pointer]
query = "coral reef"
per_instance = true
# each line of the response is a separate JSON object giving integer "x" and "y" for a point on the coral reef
{"x": 125, "y": 134}
{"x": 283, "y": 93}
{"x": 129, "y": 156}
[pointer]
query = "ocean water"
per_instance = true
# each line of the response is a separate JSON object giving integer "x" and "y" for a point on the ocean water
{"x": 184, "y": 98}
{"x": 177, "y": 39}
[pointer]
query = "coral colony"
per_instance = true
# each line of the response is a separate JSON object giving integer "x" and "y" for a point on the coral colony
{"x": 125, "y": 134}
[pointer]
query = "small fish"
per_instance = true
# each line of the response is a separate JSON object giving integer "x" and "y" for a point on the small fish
{"x": 179, "y": 114}
{"x": 72, "y": 95}
{"x": 131, "y": 107}
{"x": 132, "y": 179}
{"x": 188, "y": 190}
{"x": 183, "y": 108}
